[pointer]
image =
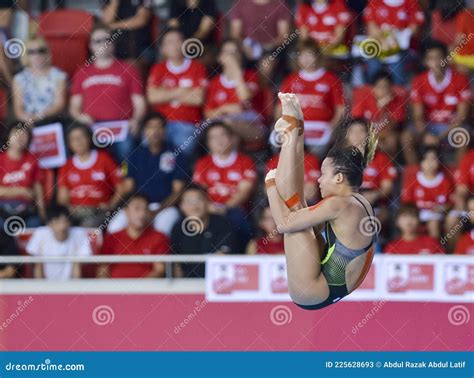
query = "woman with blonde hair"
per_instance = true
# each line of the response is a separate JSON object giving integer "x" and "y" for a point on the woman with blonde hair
{"x": 39, "y": 90}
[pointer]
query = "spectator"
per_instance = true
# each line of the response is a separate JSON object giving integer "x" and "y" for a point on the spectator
{"x": 137, "y": 239}
{"x": 108, "y": 89}
{"x": 440, "y": 98}
{"x": 132, "y": 20}
{"x": 158, "y": 173}
{"x": 321, "y": 96}
{"x": 200, "y": 232}
{"x": 176, "y": 89}
{"x": 410, "y": 241}
{"x": 195, "y": 18}
{"x": 385, "y": 109}
{"x": 326, "y": 22}
{"x": 90, "y": 183}
{"x": 39, "y": 91}
{"x": 464, "y": 42}
{"x": 21, "y": 190}
{"x": 261, "y": 26}
{"x": 465, "y": 244}
{"x": 312, "y": 172}
{"x": 58, "y": 238}
{"x": 8, "y": 247}
{"x": 229, "y": 178}
{"x": 7, "y": 8}
{"x": 270, "y": 241}
{"x": 430, "y": 190}
{"x": 232, "y": 96}
{"x": 392, "y": 23}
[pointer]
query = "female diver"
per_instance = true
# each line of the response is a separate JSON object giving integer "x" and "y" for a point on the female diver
{"x": 321, "y": 272}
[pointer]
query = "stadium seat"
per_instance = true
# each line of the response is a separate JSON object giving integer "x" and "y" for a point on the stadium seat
{"x": 67, "y": 32}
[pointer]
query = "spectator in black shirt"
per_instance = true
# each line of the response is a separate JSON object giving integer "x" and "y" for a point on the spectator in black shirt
{"x": 131, "y": 22}
{"x": 195, "y": 18}
{"x": 199, "y": 232}
{"x": 7, "y": 248}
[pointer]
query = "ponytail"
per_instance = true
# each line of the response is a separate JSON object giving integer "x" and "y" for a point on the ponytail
{"x": 370, "y": 144}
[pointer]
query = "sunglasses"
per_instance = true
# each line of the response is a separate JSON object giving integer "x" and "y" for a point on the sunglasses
{"x": 40, "y": 51}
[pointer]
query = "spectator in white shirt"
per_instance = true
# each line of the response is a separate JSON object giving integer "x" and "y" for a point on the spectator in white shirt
{"x": 58, "y": 238}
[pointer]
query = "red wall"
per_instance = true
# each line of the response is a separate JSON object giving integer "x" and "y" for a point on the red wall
{"x": 147, "y": 322}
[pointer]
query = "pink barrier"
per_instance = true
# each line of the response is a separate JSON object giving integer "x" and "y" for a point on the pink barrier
{"x": 188, "y": 322}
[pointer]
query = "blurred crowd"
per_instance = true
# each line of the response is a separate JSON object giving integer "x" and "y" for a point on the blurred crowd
{"x": 195, "y": 96}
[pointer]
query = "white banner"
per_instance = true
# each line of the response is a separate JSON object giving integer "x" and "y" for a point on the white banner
{"x": 394, "y": 278}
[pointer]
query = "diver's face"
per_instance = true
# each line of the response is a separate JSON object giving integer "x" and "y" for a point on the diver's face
{"x": 328, "y": 180}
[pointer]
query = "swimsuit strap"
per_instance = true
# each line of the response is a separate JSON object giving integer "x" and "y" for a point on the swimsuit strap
{"x": 371, "y": 217}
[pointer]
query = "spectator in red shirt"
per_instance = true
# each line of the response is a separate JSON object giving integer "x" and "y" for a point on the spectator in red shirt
{"x": 270, "y": 241}
{"x": 90, "y": 183}
{"x": 326, "y": 22}
{"x": 430, "y": 190}
{"x": 232, "y": 95}
{"x": 229, "y": 177}
{"x": 392, "y": 23}
{"x": 465, "y": 244}
{"x": 463, "y": 46}
{"x": 175, "y": 89}
{"x": 21, "y": 190}
{"x": 137, "y": 239}
{"x": 108, "y": 89}
{"x": 321, "y": 96}
{"x": 262, "y": 26}
{"x": 385, "y": 110}
{"x": 410, "y": 241}
{"x": 440, "y": 96}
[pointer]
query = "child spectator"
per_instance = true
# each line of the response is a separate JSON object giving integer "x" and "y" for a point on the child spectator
{"x": 410, "y": 241}
{"x": 321, "y": 96}
{"x": 392, "y": 23}
{"x": 90, "y": 183}
{"x": 326, "y": 22}
{"x": 270, "y": 241}
{"x": 176, "y": 89}
{"x": 385, "y": 110}
{"x": 229, "y": 178}
{"x": 108, "y": 89}
{"x": 232, "y": 95}
{"x": 137, "y": 239}
{"x": 21, "y": 190}
{"x": 200, "y": 232}
{"x": 430, "y": 190}
{"x": 39, "y": 91}
{"x": 157, "y": 172}
{"x": 465, "y": 244}
{"x": 58, "y": 238}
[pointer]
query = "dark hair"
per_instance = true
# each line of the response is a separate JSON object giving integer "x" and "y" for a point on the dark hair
{"x": 86, "y": 130}
{"x": 193, "y": 186}
{"x": 382, "y": 75}
{"x": 56, "y": 212}
{"x": 427, "y": 149}
{"x": 309, "y": 44}
{"x": 350, "y": 162}
{"x": 99, "y": 25}
{"x": 134, "y": 196}
{"x": 449, "y": 8}
{"x": 435, "y": 45}
{"x": 154, "y": 115}
{"x": 408, "y": 209}
{"x": 215, "y": 124}
{"x": 19, "y": 127}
